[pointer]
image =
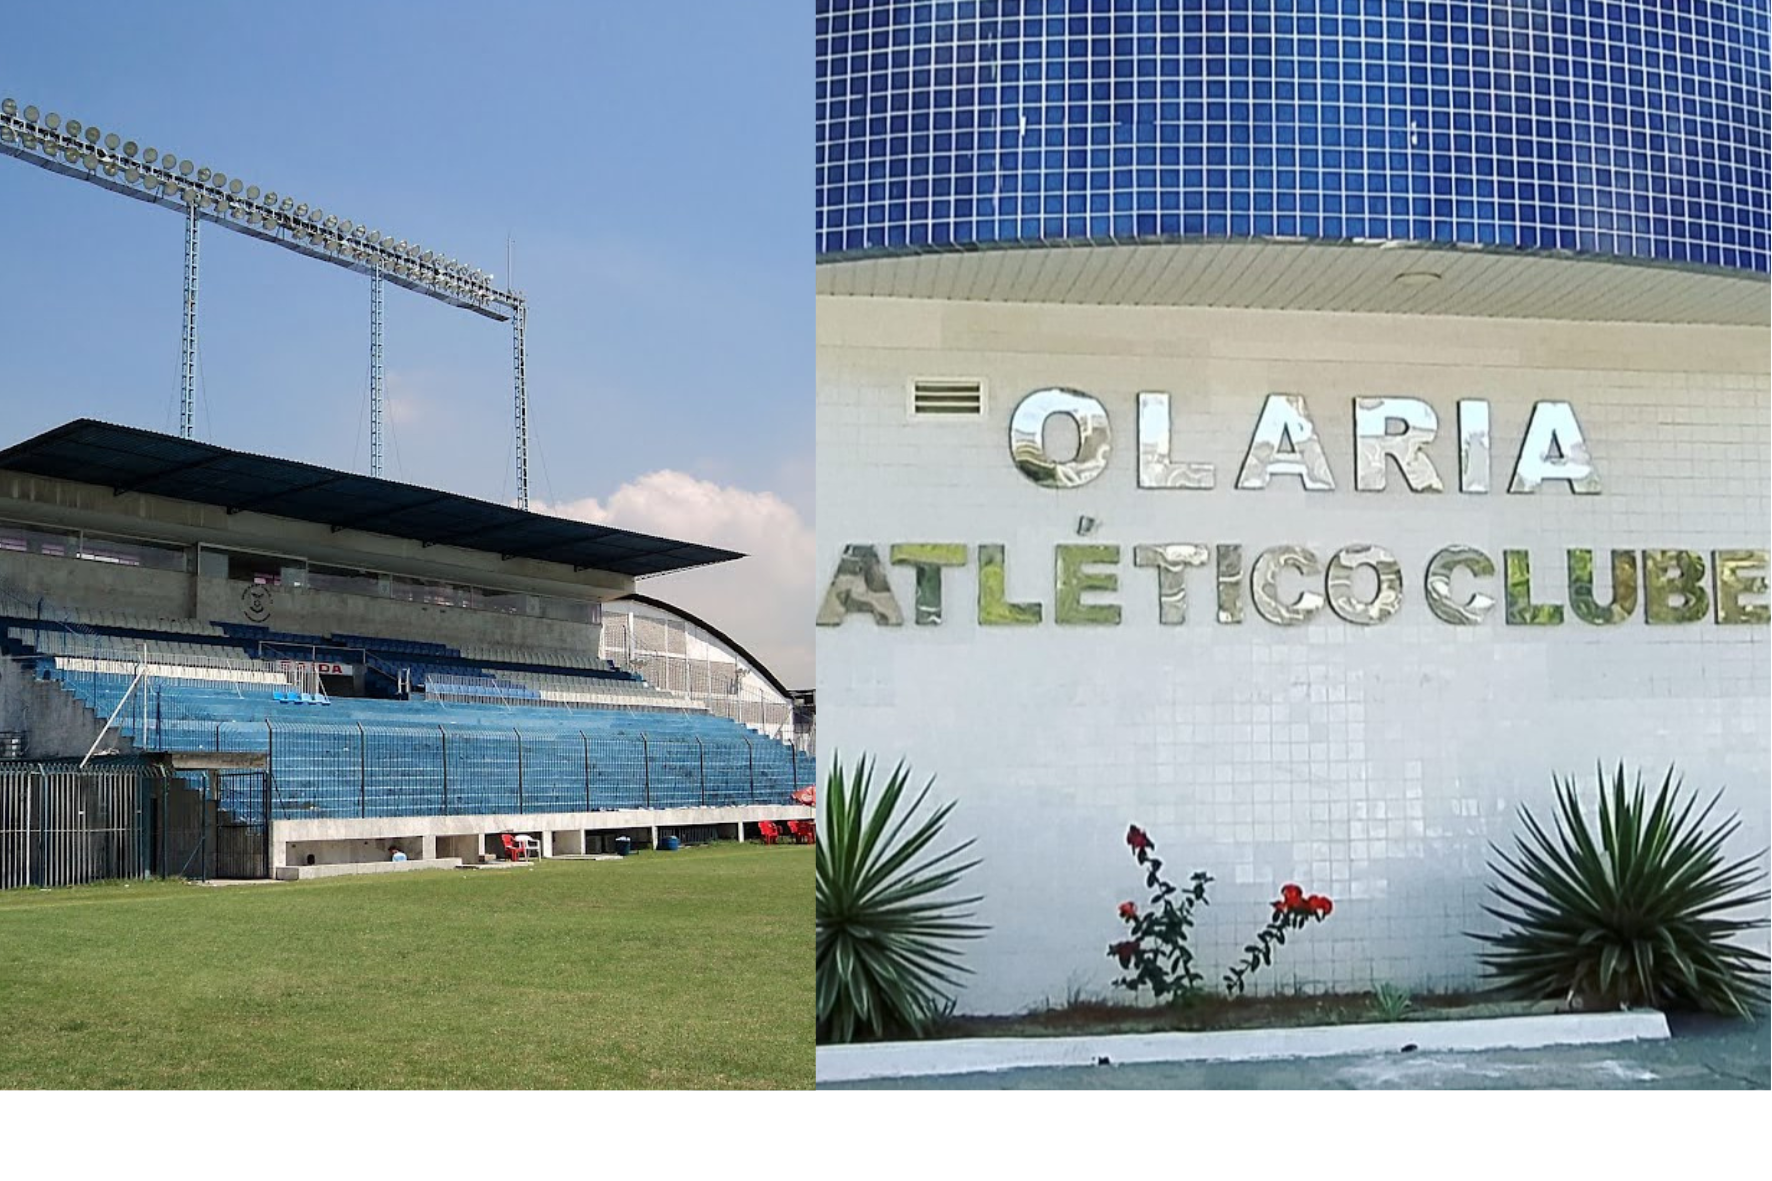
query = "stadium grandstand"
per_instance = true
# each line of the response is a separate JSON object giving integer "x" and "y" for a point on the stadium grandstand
{"x": 331, "y": 665}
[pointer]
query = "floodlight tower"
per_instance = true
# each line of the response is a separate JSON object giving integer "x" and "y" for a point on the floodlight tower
{"x": 375, "y": 391}
{"x": 161, "y": 178}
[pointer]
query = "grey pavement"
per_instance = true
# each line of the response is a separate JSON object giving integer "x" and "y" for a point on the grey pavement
{"x": 1703, "y": 1054}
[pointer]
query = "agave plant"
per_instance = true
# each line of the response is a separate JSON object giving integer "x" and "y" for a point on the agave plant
{"x": 1639, "y": 915}
{"x": 885, "y": 938}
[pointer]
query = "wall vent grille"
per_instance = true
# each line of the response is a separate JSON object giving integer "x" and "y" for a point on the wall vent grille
{"x": 946, "y": 398}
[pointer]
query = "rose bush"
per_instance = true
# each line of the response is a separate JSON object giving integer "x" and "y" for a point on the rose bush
{"x": 1157, "y": 956}
{"x": 1292, "y": 911}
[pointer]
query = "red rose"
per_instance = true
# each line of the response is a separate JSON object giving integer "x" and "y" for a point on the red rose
{"x": 1291, "y": 895}
{"x": 1319, "y": 905}
{"x": 1125, "y": 951}
{"x": 1136, "y": 839}
{"x": 1128, "y": 910}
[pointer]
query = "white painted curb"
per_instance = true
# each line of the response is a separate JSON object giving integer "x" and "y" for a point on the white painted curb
{"x": 844, "y": 1064}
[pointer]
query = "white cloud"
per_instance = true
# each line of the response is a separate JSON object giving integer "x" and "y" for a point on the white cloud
{"x": 411, "y": 396}
{"x": 762, "y": 600}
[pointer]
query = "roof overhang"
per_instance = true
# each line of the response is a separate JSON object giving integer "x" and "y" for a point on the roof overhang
{"x": 131, "y": 460}
{"x": 1401, "y": 278}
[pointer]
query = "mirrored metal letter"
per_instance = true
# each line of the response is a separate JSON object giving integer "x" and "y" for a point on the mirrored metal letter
{"x": 1441, "y": 599}
{"x": 1554, "y": 449}
{"x": 994, "y": 608}
{"x": 1286, "y": 444}
{"x": 1343, "y": 599}
{"x": 1739, "y": 572}
{"x": 1518, "y": 581}
{"x": 1027, "y": 438}
{"x": 1473, "y": 445}
{"x": 928, "y": 559}
{"x": 1229, "y": 560}
{"x": 1624, "y": 587}
{"x": 1169, "y": 562}
{"x": 1073, "y": 581}
{"x": 1673, "y": 586}
{"x": 860, "y": 584}
{"x": 1155, "y": 469}
{"x": 1374, "y": 442}
{"x": 1264, "y": 585}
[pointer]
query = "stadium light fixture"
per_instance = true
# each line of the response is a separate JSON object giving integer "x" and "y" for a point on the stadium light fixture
{"x": 162, "y": 178}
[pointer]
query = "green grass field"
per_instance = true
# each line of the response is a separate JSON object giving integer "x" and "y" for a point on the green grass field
{"x": 690, "y": 969}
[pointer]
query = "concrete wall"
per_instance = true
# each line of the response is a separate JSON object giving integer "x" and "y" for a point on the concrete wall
{"x": 66, "y": 582}
{"x": 305, "y": 609}
{"x": 342, "y": 841}
{"x": 70, "y": 582}
{"x": 70, "y": 505}
{"x": 54, "y": 721}
{"x": 1372, "y": 764}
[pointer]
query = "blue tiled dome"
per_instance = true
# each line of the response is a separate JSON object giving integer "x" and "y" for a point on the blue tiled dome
{"x": 1636, "y": 129}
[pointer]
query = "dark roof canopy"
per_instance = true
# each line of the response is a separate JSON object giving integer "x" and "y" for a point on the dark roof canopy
{"x": 128, "y": 459}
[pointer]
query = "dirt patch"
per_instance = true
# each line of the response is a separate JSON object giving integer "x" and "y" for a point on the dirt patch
{"x": 1205, "y": 1013}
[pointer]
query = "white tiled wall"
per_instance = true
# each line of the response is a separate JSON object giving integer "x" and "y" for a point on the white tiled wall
{"x": 1372, "y": 764}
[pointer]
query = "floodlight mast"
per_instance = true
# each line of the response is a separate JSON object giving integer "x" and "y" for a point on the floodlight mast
{"x": 521, "y": 405}
{"x": 187, "y": 378}
{"x": 375, "y": 371}
{"x": 162, "y": 179}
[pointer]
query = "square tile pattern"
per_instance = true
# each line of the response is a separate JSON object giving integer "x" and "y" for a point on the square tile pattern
{"x": 1373, "y": 764}
{"x": 1635, "y": 128}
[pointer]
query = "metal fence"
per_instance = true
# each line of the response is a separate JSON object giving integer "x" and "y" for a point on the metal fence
{"x": 63, "y": 825}
{"x": 325, "y": 771}
{"x": 60, "y": 825}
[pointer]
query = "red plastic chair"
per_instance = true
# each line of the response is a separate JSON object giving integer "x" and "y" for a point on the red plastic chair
{"x": 513, "y": 851}
{"x": 768, "y": 832}
{"x": 801, "y": 830}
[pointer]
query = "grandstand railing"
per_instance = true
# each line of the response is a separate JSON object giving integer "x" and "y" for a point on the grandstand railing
{"x": 274, "y": 650}
{"x": 170, "y": 666}
{"x": 524, "y": 697}
{"x": 324, "y": 771}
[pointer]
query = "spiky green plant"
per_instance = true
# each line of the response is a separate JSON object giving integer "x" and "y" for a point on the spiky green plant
{"x": 1390, "y": 1003}
{"x": 1639, "y": 915}
{"x": 885, "y": 937}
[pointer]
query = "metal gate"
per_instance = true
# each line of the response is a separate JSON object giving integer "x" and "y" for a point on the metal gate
{"x": 242, "y": 823}
{"x": 184, "y": 826}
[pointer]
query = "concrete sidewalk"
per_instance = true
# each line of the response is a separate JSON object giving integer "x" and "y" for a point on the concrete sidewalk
{"x": 1703, "y": 1054}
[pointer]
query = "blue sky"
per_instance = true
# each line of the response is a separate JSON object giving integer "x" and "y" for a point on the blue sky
{"x": 650, "y": 161}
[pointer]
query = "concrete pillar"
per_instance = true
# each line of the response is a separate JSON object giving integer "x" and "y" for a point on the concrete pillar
{"x": 654, "y": 843}
{"x": 428, "y": 847}
{"x": 738, "y": 830}
{"x": 547, "y": 842}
